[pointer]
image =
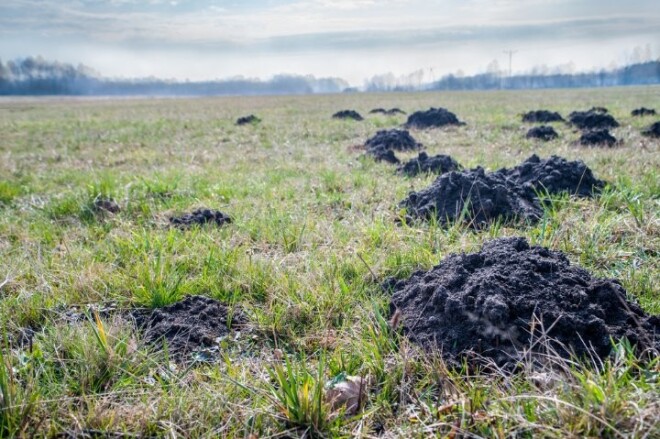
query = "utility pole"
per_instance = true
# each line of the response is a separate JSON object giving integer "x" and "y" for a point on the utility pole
{"x": 510, "y": 53}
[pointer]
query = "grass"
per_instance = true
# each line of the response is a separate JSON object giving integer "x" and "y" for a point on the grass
{"x": 315, "y": 231}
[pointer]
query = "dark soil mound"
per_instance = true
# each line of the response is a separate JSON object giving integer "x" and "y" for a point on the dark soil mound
{"x": 384, "y": 155}
{"x": 347, "y": 114}
{"x": 423, "y": 164}
{"x": 191, "y": 325}
{"x": 104, "y": 204}
{"x": 200, "y": 217}
{"x": 592, "y": 120}
{"x": 653, "y": 130}
{"x": 484, "y": 198}
{"x": 643, "y": 112}
{"x": 247, "y": 120}
{"x": 434, "y": 117}
{"x": 484, "y": 303}
{"x": 393, "y": 111}
{"x": 394, "y": 139}
{"x": 543, "y": 116}
{"x": 597, "y": 138}
{"x": 601, "y": 110}
{"x": 378, "y": 110}
{"x": 555, "y": 175}
{"x": 543, "y": 132}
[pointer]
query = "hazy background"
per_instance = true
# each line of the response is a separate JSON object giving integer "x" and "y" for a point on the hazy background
{"x": 352, "y": 39}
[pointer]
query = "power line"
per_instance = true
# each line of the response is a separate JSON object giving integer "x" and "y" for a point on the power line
{"x": 510, "y": 53}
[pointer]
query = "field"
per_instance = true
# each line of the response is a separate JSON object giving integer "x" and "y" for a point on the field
{"x": 315, "y": 231}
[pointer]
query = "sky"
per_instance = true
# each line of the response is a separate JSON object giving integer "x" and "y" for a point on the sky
{"x": 351, "y": 39}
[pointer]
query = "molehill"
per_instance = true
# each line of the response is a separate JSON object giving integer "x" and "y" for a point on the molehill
{"x": 493, "y": 305}
{"x": 593, "y": 119}
{"x": 245, "y": 120}
{"x": 432, "y": 118}
{"x": 543, "y": 116}
{"x": 425, "y": 164}
{"x": 597, "y": 138}
{"x": 643, "y": 112}
{"x": 193, "y": 325}
{"x": 544, "y": 132}
{"x": 200, "y": 217}
{"x": 653, "y": 130}
{"x": 383, "y": 144}
{"x": 347, "y": 114}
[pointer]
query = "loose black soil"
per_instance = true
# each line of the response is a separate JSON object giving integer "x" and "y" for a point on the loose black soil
{"x": 597, "y": 138}
{"x": 245, "y": 120}
{"x": 592, "y": 120}
{"x": 432, "y": 118}
{"x": 423, "y": 164}
{"x": 653, "y": 130}
{"x": 347, "y": 114}
{"x": 383, "y": 144}
{"x": 542, "y": 116}
{"x": 200, "y": 217}
{"x": 104, "y": 204}
{"x": 543, "y": 132}
{"x": 482, "y": 197}
{"x": 643, "y": 112}
{"x": 555, "y": 175}
{"x": 482, "y": 305}
{"x": 191, "y": 325}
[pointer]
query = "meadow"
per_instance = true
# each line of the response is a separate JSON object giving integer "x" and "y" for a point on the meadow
{"x": 315, "y": 232}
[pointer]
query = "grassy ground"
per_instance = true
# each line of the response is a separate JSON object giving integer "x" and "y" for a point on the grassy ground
{"x": 314, "y": 232}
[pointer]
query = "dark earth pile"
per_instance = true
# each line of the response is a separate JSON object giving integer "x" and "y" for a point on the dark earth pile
{"x": 601, "y": 110}
{"x": 483, "y": 303}
{"x": 423, "y": 164}
{"x": 383, "y": 144}
{"x": 434, "y": 117}
{"x": 247, "y": 120}
{"x": 653, "y": 130}
{"x": 106, "y": 204}
{"x": 484, "y": 197}
{"x": 393, "y": 111}
{"x": 378, "y": 110}
{"x": 643, "y": 112}
{"x": 543, "y": 132}
{"x": 192, "y": 325}
{"x": 347, "y": 114}
{"x": 542, "y": 116}
{"x": 592, "y": 120}
{"x": 597, "y": 138}
{"x": 200, "y": 217}
{"x": 555, "y": 175}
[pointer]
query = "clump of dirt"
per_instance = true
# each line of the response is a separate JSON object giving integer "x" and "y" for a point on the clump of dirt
{"x": 653, "y": 130}
{"x": 378, "y": 110}
{"x": 601, "y": 110}
{"x": 200, "y": 217}
{"x": 476, "y": 198}
{"x": 423, "y": 164}
{"x": 542, "y": 116}
{"x": 106, "y": 205}
{"x": 431, "y": 118}
{"x": 393, "y": 111}
{"x": 495, "y": 303}
{"x": 555, "y": 175}
{"x": 592, "y": 120}
{"x": 193, "y": 325}
{"x": 643, "y": 112}
{"x": 597, "y": 138}
{"x": 347, "y": 114}
{"x": 383, "y": 144}
{"x": 245, "y": 120}
{"x": 544, "y": 132}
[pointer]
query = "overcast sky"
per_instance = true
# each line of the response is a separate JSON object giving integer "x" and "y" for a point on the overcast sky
{"x": 353, "y": 39}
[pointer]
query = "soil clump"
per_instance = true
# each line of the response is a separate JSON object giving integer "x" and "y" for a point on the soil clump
{"x": 592, "y": 120}
{"x": 493, "y": 305}
{"x": 191, "y": 326}
{"x": 542, "y": 116}
{"x": 555, "y": 175}
{"x": 106, "y": 205}
{"x": 597, "y": 138}
{"x": 347, "y": 114}
{"x": 544, "y": 132}
{"x": 653, "y": 130}
{"x": 393, "y": 111}
{"x": 638, "y": 112}
{"x": 200, "y": 217}
{"x": 245, "y": 120}
{"x": 475, "y": 197}
{"x": 432, "y": 118}
{"x": 425, "y": 164}
{"x": 383, "y": 144}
